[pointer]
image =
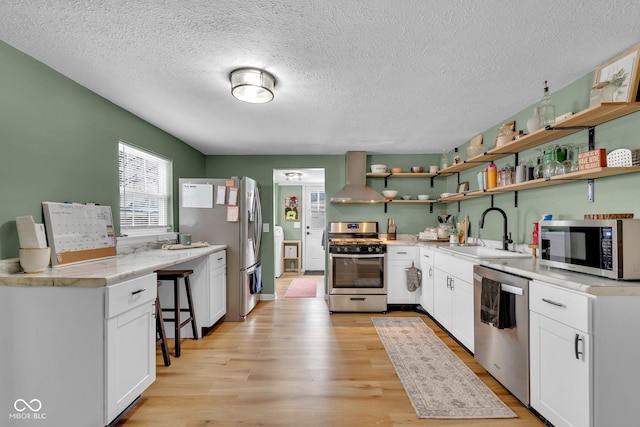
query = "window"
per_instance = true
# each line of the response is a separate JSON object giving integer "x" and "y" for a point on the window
{"x": 145, "y": 190}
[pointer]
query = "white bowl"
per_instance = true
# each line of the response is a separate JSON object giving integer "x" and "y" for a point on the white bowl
{"x": 390, "y": 194}
{"x": 34, "y": 260}
{"x": 423, "y": 197}
{"x": 378, "y": 168}
{"x": 406, "y": 197}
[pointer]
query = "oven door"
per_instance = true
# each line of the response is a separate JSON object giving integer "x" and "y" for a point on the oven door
{"x": 356, "y": 274}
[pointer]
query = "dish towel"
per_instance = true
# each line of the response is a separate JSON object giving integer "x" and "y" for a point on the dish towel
{"x": 497, "y": 307}
{"x": 489, "y": 301}
{"x": 256, "y": 285}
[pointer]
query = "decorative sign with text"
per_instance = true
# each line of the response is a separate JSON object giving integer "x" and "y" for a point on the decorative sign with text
{"x": 592, "y": 159}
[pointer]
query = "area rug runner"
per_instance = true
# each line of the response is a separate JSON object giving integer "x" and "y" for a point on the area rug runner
{"x": 302, "y": 288}
{"x": 438, "y": 384}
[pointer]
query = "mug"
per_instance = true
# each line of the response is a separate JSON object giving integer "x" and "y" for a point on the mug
{"x": 433, "y": 169}
{"x": 185, "y": 239}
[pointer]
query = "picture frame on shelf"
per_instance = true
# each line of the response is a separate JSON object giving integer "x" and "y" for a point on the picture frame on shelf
{"x": 628, "y": 86}
{"x": 463, "y": 187}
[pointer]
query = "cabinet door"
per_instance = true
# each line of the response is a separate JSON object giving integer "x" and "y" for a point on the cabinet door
{"x": 442, "y": 299}
{"x": 131, "y": 356}
{"x": 398, "y": 259}
{"x": 428, "y": 275}
{"x": 218, "y": 294}
{"x": 463, "y": 312}
{"x": 560, "y": 372}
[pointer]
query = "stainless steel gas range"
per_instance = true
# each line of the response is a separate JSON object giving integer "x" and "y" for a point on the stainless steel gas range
{"x": 356, "y": 268}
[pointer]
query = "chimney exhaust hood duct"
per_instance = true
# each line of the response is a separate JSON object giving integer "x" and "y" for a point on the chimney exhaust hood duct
{"x": 356, "y": 189}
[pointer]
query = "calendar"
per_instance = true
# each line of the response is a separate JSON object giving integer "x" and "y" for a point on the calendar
{"x": 78, "y": 232}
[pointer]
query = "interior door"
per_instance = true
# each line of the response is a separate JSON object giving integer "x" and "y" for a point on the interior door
{"x": 313, "y": 254}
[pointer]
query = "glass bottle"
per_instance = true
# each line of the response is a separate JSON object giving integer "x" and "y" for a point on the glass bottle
{"x": 537, "y": 170}
{"x": 547, "y": 109}
{"x": 443, "y": 160}
{"x": 492, "y": 176}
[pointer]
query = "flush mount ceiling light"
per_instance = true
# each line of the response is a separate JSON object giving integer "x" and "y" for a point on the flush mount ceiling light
{"x": 252, "y": 85}
{"x": 293, "y": 176}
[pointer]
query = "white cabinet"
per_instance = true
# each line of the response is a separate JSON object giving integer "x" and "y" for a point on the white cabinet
{"x": 560, "y": 355}
{"x": 453, "y": 296}
{"x": 209, "y": 290}
{"x": 583, "y": 352}
{"x": 443, "y": 299}
{"x": 85, "y": 353}
{"x": 428, "y": 275}
{"x": 217, "y": 286}
{"x": 130, "y": 344}
{"x": 398, "y": 259}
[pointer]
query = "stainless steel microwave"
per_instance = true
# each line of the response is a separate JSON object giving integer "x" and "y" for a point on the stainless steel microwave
{"x": 607, "y": 248}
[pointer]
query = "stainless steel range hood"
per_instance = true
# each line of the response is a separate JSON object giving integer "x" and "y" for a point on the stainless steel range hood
{"x": 356, "y": 189}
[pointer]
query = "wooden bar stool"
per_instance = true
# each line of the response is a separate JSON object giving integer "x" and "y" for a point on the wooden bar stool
{"x": 175, "y": 276}
{"x": 161, "y": 337}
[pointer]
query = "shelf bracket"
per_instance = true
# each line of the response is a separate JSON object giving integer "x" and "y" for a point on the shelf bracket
{"x": 430, "y": 207}
{"x": 385, "y": 206}
{"x": 592, "y": 145}
{"x": 431, "y": 182}
{"x": 385, "y": 181}
{"x": 492, "y": 200}
{"x": 515, "y": 199}
{"x": 458, "y": 206}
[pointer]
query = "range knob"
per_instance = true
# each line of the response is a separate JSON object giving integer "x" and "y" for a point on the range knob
{"x": 357, "y": 248}
{"x": 370, "y": 248}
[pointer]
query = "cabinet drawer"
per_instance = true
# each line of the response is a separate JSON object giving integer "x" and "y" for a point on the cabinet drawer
{"x": 426, "y": 256}
{"x": 402, "y": 252}
{"x": 217, "y": 259}
{"x": 454, "y": 266}
{"x": 565, "y": 306}
{"x": 132, "y": 293}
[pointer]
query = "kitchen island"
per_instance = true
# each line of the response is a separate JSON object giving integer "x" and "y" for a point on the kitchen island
{"x": 81, "y": 344}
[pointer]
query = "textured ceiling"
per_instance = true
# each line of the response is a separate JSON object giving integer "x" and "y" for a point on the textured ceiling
{"x": 383, "y": 76}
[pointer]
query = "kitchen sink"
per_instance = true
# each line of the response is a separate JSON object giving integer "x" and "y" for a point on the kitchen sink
{"x": 483, "y": 252}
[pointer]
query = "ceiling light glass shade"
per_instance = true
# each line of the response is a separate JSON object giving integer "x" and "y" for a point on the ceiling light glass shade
{"x": 252, "y": 85}
{"x": 293, "y": 176}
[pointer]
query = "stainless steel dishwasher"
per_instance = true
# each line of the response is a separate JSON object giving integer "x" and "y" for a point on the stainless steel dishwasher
{"x": 504, "y": 351}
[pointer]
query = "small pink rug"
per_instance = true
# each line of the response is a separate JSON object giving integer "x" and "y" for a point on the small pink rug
{"x": 302, "y": 288}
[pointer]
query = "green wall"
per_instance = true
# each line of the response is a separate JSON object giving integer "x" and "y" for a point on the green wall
{"x": 288, "y": 227}
{"x": 59, "y": 142}
{"x": 612, "y": 195}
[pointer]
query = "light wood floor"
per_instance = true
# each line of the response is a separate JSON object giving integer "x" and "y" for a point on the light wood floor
{"x": 293, "y": 364}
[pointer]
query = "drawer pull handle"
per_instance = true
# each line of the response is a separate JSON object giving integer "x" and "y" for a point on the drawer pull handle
{"x": 138, "y": 291}
{"x": 402, "y": 252}
{"x": 357, "y": 299}
{"x": 557, "y": 304}
{"x": 220, "y": 259}
{"x": 577, "y": 339}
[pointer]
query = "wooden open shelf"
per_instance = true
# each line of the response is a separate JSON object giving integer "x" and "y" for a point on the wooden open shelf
{"x": 538, "y": 183}
{"x": 592, "y": 116}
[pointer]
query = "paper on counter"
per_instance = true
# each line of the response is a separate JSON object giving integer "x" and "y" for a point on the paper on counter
{"x": 30, "y": 234}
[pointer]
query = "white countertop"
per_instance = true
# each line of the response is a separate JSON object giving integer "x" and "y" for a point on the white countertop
{"x": 105, "y": 272}
{"x": 529, "y": 268}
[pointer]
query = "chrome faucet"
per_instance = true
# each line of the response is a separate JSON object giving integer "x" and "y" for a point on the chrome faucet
{"x": 506, "y": 237}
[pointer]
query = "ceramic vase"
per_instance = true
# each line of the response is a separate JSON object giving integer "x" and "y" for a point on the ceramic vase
{"x": 533, "y": 124}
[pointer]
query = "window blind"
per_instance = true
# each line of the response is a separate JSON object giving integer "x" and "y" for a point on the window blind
{"x": 145, "y": 189}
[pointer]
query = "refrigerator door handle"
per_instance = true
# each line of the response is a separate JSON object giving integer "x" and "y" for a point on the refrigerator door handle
{"x": 258, "y": 227}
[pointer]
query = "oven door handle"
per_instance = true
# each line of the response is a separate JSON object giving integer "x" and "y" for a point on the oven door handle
{"x": 357, "y": 256}
{"x": 511, "y": 289}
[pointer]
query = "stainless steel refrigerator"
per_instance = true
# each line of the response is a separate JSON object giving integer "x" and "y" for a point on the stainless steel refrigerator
{"x": 228, "y": 212}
